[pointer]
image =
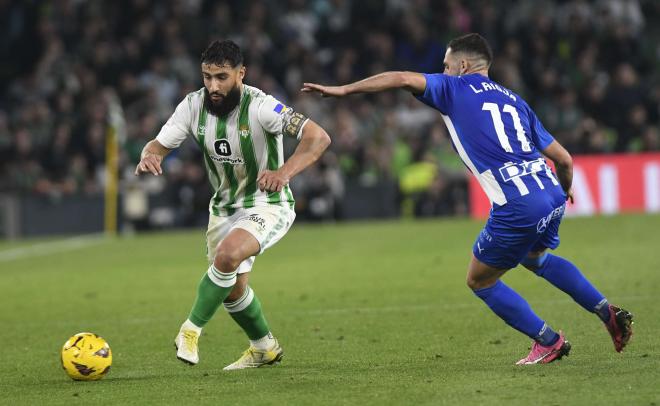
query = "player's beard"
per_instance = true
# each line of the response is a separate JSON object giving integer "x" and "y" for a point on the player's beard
{"x": 225, "y": 105}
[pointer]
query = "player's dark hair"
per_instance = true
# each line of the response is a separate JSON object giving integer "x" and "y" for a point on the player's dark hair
{"x": 221, "y": 52}
{"x": 472, "y": 43}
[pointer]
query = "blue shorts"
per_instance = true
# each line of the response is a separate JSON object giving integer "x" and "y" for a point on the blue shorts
{"x": 529, "y": 223}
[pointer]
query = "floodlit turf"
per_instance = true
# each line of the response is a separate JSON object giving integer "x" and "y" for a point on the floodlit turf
{"x": 369, "y": 313}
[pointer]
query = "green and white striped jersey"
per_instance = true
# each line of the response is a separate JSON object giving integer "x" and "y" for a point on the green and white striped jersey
{"x": 237, "y": 147}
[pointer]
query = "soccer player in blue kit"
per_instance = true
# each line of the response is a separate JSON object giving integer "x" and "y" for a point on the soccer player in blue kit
{"x": 502, "y": 142}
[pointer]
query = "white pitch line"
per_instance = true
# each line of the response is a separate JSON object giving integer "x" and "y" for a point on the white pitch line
{"x": 52, "y": 247}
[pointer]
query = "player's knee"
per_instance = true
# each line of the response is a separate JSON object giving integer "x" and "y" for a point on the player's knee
{"x": 227, "y": 260}
{"x": 479, "y": 283}
{"x": 471, "y": 282}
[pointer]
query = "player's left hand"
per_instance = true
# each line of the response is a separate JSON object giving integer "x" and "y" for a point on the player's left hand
{"x": 569, "y": 195}
{"x": 272, "y": 181}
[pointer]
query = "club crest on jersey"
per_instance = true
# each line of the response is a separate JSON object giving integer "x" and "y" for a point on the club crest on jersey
{"x": 244, "y": 131}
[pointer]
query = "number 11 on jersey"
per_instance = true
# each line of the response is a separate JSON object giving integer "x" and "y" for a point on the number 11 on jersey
{"x": 494, "y": 110}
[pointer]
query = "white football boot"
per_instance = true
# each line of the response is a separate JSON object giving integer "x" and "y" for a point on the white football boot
{"x": 186, "y": 346}
{"x": 254, "y": 358}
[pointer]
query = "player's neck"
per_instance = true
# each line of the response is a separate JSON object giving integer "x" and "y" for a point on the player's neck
{"x": 482, "y": 72}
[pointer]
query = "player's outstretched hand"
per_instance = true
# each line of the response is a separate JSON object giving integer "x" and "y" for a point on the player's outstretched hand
{"x": 325, "y": 91}
{"x": 272, "y": 181}
{"x": 150, "y": 163}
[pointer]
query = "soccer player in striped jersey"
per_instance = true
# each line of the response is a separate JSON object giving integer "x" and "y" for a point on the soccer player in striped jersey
{"x": 239, "y": 129}
{"x": 501, "y": 141}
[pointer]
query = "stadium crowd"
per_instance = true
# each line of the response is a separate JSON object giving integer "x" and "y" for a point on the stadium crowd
{"x": 589, "y": 68}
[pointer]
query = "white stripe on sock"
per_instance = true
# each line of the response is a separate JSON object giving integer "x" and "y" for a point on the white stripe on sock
{"x": 242, "y": 303}
{"x": 224, "y": 280}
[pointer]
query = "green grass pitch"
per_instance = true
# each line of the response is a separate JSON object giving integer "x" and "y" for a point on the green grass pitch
{"x": 367, "y": 313}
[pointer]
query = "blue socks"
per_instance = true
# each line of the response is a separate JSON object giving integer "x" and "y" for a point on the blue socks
{"x": 568, "y": 278}
{"x": 515, "y": 311}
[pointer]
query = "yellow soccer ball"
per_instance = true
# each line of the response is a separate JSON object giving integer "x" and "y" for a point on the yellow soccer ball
{"x": 86, "y": 357}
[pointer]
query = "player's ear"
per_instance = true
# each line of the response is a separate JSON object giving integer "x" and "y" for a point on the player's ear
{"x": 464, "y": 66}
{"x": 241, "y": 72}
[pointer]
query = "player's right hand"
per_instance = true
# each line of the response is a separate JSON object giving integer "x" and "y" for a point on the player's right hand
{"x": 325, "y": 91}
{"x": 150, "y": 163}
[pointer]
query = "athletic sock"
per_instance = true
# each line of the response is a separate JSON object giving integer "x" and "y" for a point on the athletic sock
{"x": 189, "y": 325}
{"x": 247, "y": 313}
{"x": 547, "y": 336}
{"x": 265, "y": 343}
{"x": 515, "y": 311}
{"x": 568, "y": 278}
{"x": 603, "y": 310}
{"x": 214, "y": 287}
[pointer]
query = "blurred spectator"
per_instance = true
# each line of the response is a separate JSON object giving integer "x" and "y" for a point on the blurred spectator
{"x": 650, "y": 141}
{"x": 590, "y": 68}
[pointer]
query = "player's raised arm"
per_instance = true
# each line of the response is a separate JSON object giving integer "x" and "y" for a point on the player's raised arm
{"x": 411, "y": 81}
{"x": 563, "y": 165}
{"x": 151, "y": 158}
{"x": 313, "y": 141}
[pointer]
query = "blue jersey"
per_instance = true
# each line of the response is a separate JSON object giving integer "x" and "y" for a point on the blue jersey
{"x": 496, "y": 134}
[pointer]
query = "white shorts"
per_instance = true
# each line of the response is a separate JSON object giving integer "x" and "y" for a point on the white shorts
{"x": 268, "y": 224}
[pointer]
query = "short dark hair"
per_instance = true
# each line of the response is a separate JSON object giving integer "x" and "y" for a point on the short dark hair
{"x": 472, "y": 43}
{"x": 221, "y": 52}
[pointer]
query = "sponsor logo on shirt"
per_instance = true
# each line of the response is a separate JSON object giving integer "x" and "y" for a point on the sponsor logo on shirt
{"x": 258, "y": 220}
{"x": 545, "y": 220}
{"x": 228, "y": 160}
{"x": 222, "y": 147}
{"x": 223, "y": 152}
{"x": 512, "y": 170}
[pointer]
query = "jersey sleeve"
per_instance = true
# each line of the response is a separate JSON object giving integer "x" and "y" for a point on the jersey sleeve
{"x": 276, "y": 118}
{"x": 438, "y": 93}
{"x": 540, "y": 136}
{"x": 177, "y": 127}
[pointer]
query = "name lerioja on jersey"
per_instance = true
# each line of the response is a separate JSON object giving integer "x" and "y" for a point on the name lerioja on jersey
{"x": 237, "y": 147}
{"x": 485, "y": 86}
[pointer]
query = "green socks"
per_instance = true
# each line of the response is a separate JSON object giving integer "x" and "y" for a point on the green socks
{"x": 246, "y": 312}
{"x": 213, "y": 289}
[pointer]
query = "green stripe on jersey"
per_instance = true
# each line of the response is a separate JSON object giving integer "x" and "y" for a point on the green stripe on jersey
{"x": 221, "y": 133}
{"x": 273, "y": 163}
{"x": 201, "y": 133}
{"x": 247, "y": 149}
{"x": 289, "y": 196}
